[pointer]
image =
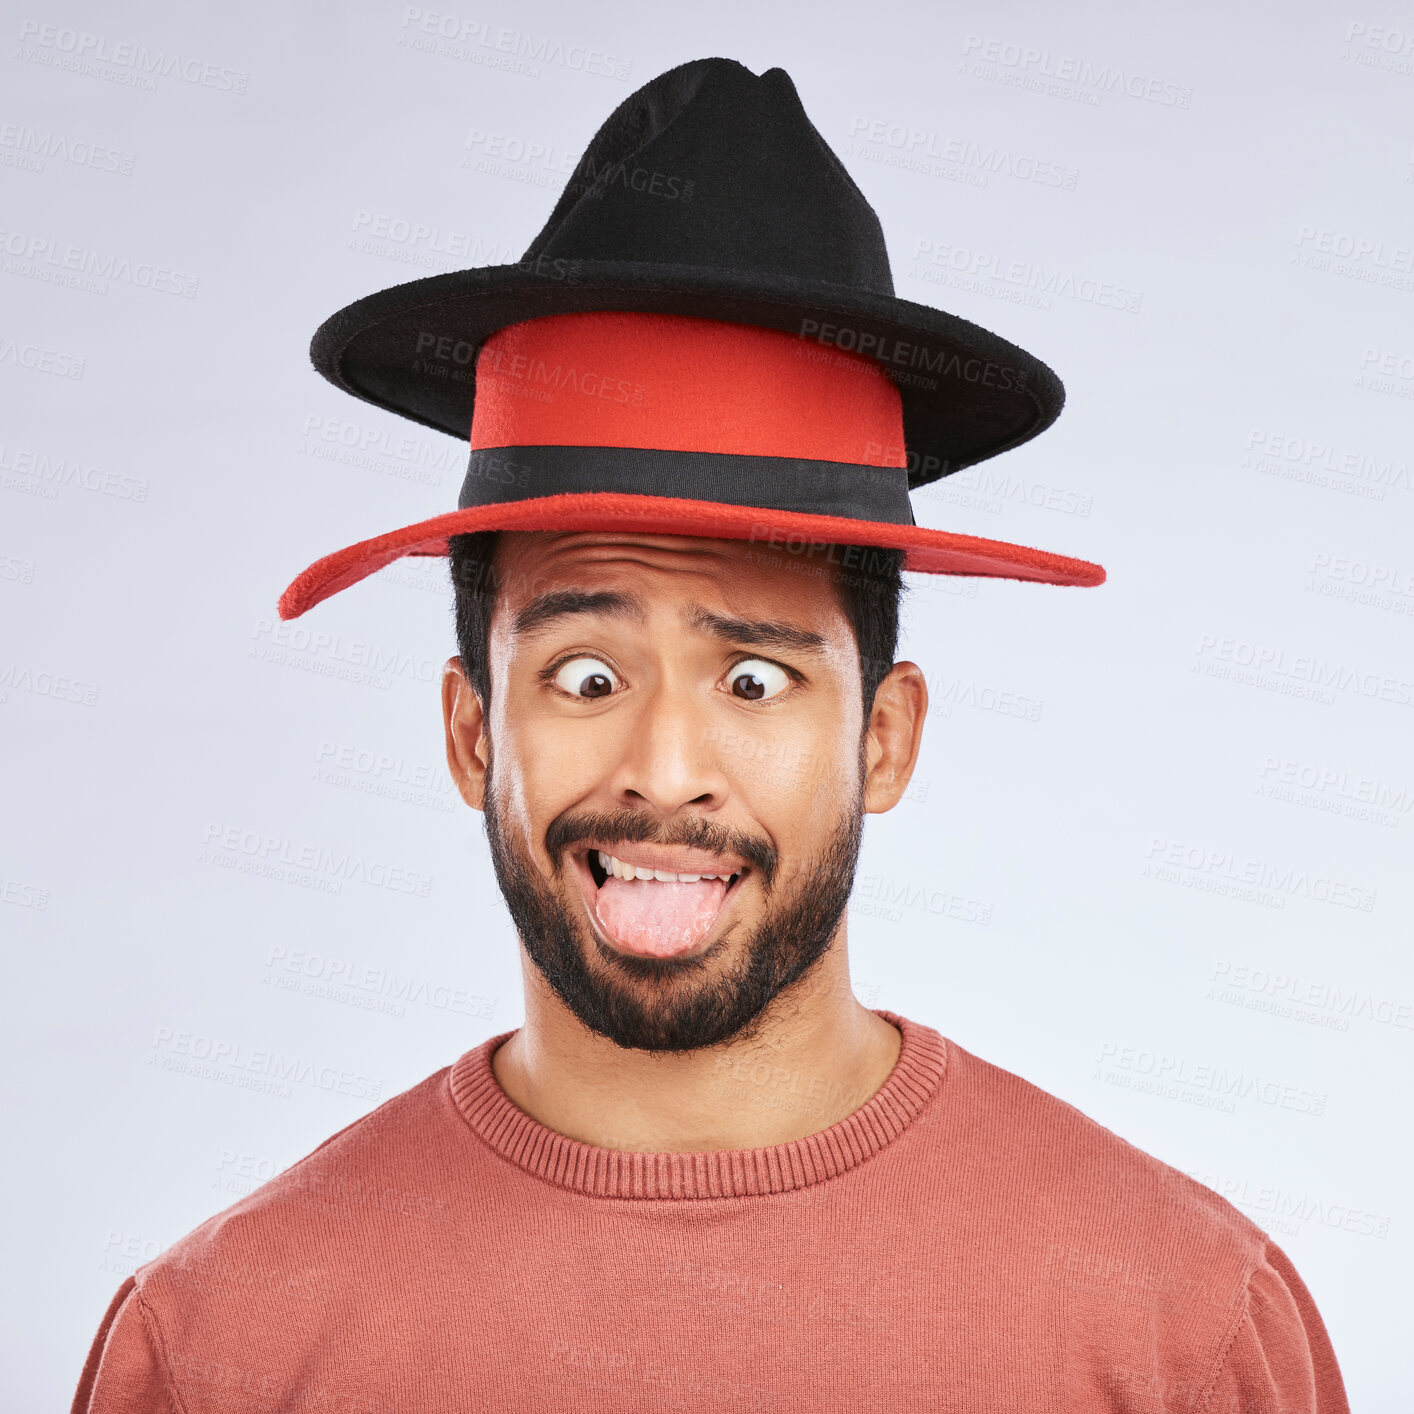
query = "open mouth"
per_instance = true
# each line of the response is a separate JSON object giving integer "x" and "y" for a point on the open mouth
{"x": 652, "y": 912}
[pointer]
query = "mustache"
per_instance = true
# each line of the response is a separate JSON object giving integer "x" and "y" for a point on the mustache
{"x": 633, "y": 827}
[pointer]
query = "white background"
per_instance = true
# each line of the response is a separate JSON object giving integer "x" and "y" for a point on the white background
{"x": 1101, "y": 772}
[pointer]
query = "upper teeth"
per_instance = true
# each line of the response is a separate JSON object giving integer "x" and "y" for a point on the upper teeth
{"x": 619, "y": 870}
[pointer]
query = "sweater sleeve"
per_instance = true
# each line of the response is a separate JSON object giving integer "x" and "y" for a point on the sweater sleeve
{"x": 1280, "y": 1360}
{"x": 123, "y": 1373}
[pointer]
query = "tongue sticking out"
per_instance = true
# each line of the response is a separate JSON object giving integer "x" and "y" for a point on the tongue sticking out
{"x": 656, "y": 919}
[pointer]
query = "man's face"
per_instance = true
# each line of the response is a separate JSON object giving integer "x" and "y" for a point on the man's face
{"x": 686, "y": 706}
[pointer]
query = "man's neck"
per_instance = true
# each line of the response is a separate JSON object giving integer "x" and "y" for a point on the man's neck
{"x": 817, "y": 1057}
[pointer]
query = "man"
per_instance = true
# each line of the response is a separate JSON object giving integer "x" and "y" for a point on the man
{"x": 701, "y": 1174}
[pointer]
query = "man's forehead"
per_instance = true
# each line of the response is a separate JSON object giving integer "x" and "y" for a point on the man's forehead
{"x": 528, "y": 563}
{"x": 708, "y": 584}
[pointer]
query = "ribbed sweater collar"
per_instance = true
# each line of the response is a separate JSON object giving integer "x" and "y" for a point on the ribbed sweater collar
{"x": 778, "y": 1168}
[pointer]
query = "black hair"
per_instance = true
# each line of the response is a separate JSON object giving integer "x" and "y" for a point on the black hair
{"x": 868, "y": 579}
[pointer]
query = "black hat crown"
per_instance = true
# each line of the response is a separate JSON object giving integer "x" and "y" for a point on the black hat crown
{"x": 709, "y": 194}
{"x": 742, "y": 177}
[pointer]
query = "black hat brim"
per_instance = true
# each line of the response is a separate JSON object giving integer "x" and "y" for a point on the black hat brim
{"x": 967, "y": 394}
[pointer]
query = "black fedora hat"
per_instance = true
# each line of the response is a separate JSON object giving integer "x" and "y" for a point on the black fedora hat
{"x": 706, "y": 195}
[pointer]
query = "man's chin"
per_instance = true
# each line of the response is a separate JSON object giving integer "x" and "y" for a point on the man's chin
{"x": 758, "y": 945}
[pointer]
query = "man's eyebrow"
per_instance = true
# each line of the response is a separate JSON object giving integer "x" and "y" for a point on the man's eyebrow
{"x": 556, "y": 604}
{"x": 758, "y": 632}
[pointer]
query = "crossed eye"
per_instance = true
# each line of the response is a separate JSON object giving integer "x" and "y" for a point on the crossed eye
{"x": 763, "y": 680}
{"x": 753, "y": 679}
{"x": 586, "y": 677}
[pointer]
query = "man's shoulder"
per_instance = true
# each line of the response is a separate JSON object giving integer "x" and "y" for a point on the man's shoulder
{"x": 1084, "y": 1177}
{"x": 376, "y": 1174}
{"x": 1162, "y": 1285}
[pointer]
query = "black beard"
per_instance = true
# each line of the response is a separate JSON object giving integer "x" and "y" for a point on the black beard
{"x": 790, "y": 939}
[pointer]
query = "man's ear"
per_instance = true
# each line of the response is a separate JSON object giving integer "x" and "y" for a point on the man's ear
{"x": 895, "y": 733}
{"x": 464, "y": 718}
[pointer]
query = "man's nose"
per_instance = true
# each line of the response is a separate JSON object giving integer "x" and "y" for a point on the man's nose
{"x": 670, "y": 757}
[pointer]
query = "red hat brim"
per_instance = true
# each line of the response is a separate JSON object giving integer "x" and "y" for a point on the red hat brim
{"x": 926, "y": 551}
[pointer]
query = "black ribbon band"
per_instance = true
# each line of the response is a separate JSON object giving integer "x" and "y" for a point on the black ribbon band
{"x": 880, "y": 493}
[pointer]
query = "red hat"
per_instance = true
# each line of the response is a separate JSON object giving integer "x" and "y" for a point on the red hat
{"x": 662, "y": 424}
{"x": 714, "y": 350}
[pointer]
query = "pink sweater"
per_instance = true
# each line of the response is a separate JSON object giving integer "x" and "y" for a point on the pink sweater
{"x": 963, "y": 1241}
